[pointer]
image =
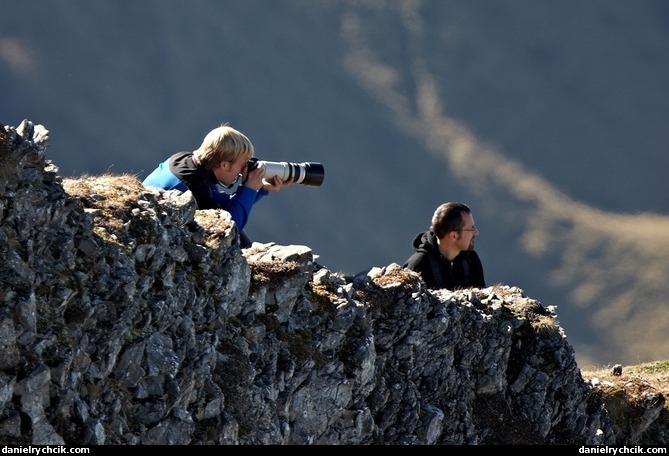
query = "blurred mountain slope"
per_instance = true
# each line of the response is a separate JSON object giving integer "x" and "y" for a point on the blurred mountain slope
{"x": 548, "y": 118}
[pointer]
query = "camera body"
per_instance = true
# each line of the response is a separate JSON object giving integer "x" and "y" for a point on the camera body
{"x": 305, "y": 173}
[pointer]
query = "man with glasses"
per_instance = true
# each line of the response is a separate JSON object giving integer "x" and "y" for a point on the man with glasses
{"x": 444, "y": 255}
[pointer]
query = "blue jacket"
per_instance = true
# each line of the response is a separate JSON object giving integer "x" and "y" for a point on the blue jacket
{"x": 180, "y": 173}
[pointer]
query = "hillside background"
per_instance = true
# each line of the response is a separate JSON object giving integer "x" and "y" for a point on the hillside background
{"x": 548, "y": 118}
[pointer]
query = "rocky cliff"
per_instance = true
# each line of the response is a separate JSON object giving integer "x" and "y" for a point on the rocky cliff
{"x": 128, "y": 317}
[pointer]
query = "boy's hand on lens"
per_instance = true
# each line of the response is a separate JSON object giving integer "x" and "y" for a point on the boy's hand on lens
{"x": 276, "y": 184}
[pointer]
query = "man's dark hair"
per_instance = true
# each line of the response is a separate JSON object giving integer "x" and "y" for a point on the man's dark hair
{"x": 448, "y": 217}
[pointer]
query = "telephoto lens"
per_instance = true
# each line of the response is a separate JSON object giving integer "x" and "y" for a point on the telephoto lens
{"x": 306, "y": 173}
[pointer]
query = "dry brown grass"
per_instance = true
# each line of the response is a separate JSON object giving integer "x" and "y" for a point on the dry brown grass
{"x": 112, "y": 190}
{"x": 112, "y": 198}
{"x": 632, "y": 394}
{"x": 653, "y": 375}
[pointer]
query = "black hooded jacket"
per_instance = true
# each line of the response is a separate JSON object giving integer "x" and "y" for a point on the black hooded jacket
{"x": 464, "y": 271}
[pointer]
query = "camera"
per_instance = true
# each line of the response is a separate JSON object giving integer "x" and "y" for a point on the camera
{"x": 306, "y": 173}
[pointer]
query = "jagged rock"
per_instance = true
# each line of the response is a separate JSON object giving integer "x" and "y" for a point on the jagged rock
{"x": 128, "y": 317}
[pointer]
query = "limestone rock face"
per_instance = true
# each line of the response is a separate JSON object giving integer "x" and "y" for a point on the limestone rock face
{"x": 129, "y": 317}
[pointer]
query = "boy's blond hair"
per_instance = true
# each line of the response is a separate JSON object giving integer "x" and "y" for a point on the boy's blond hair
{"x": 223, "y": 144}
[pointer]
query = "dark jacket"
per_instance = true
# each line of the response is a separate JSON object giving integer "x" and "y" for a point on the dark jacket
{"x": 464, "y": 271}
